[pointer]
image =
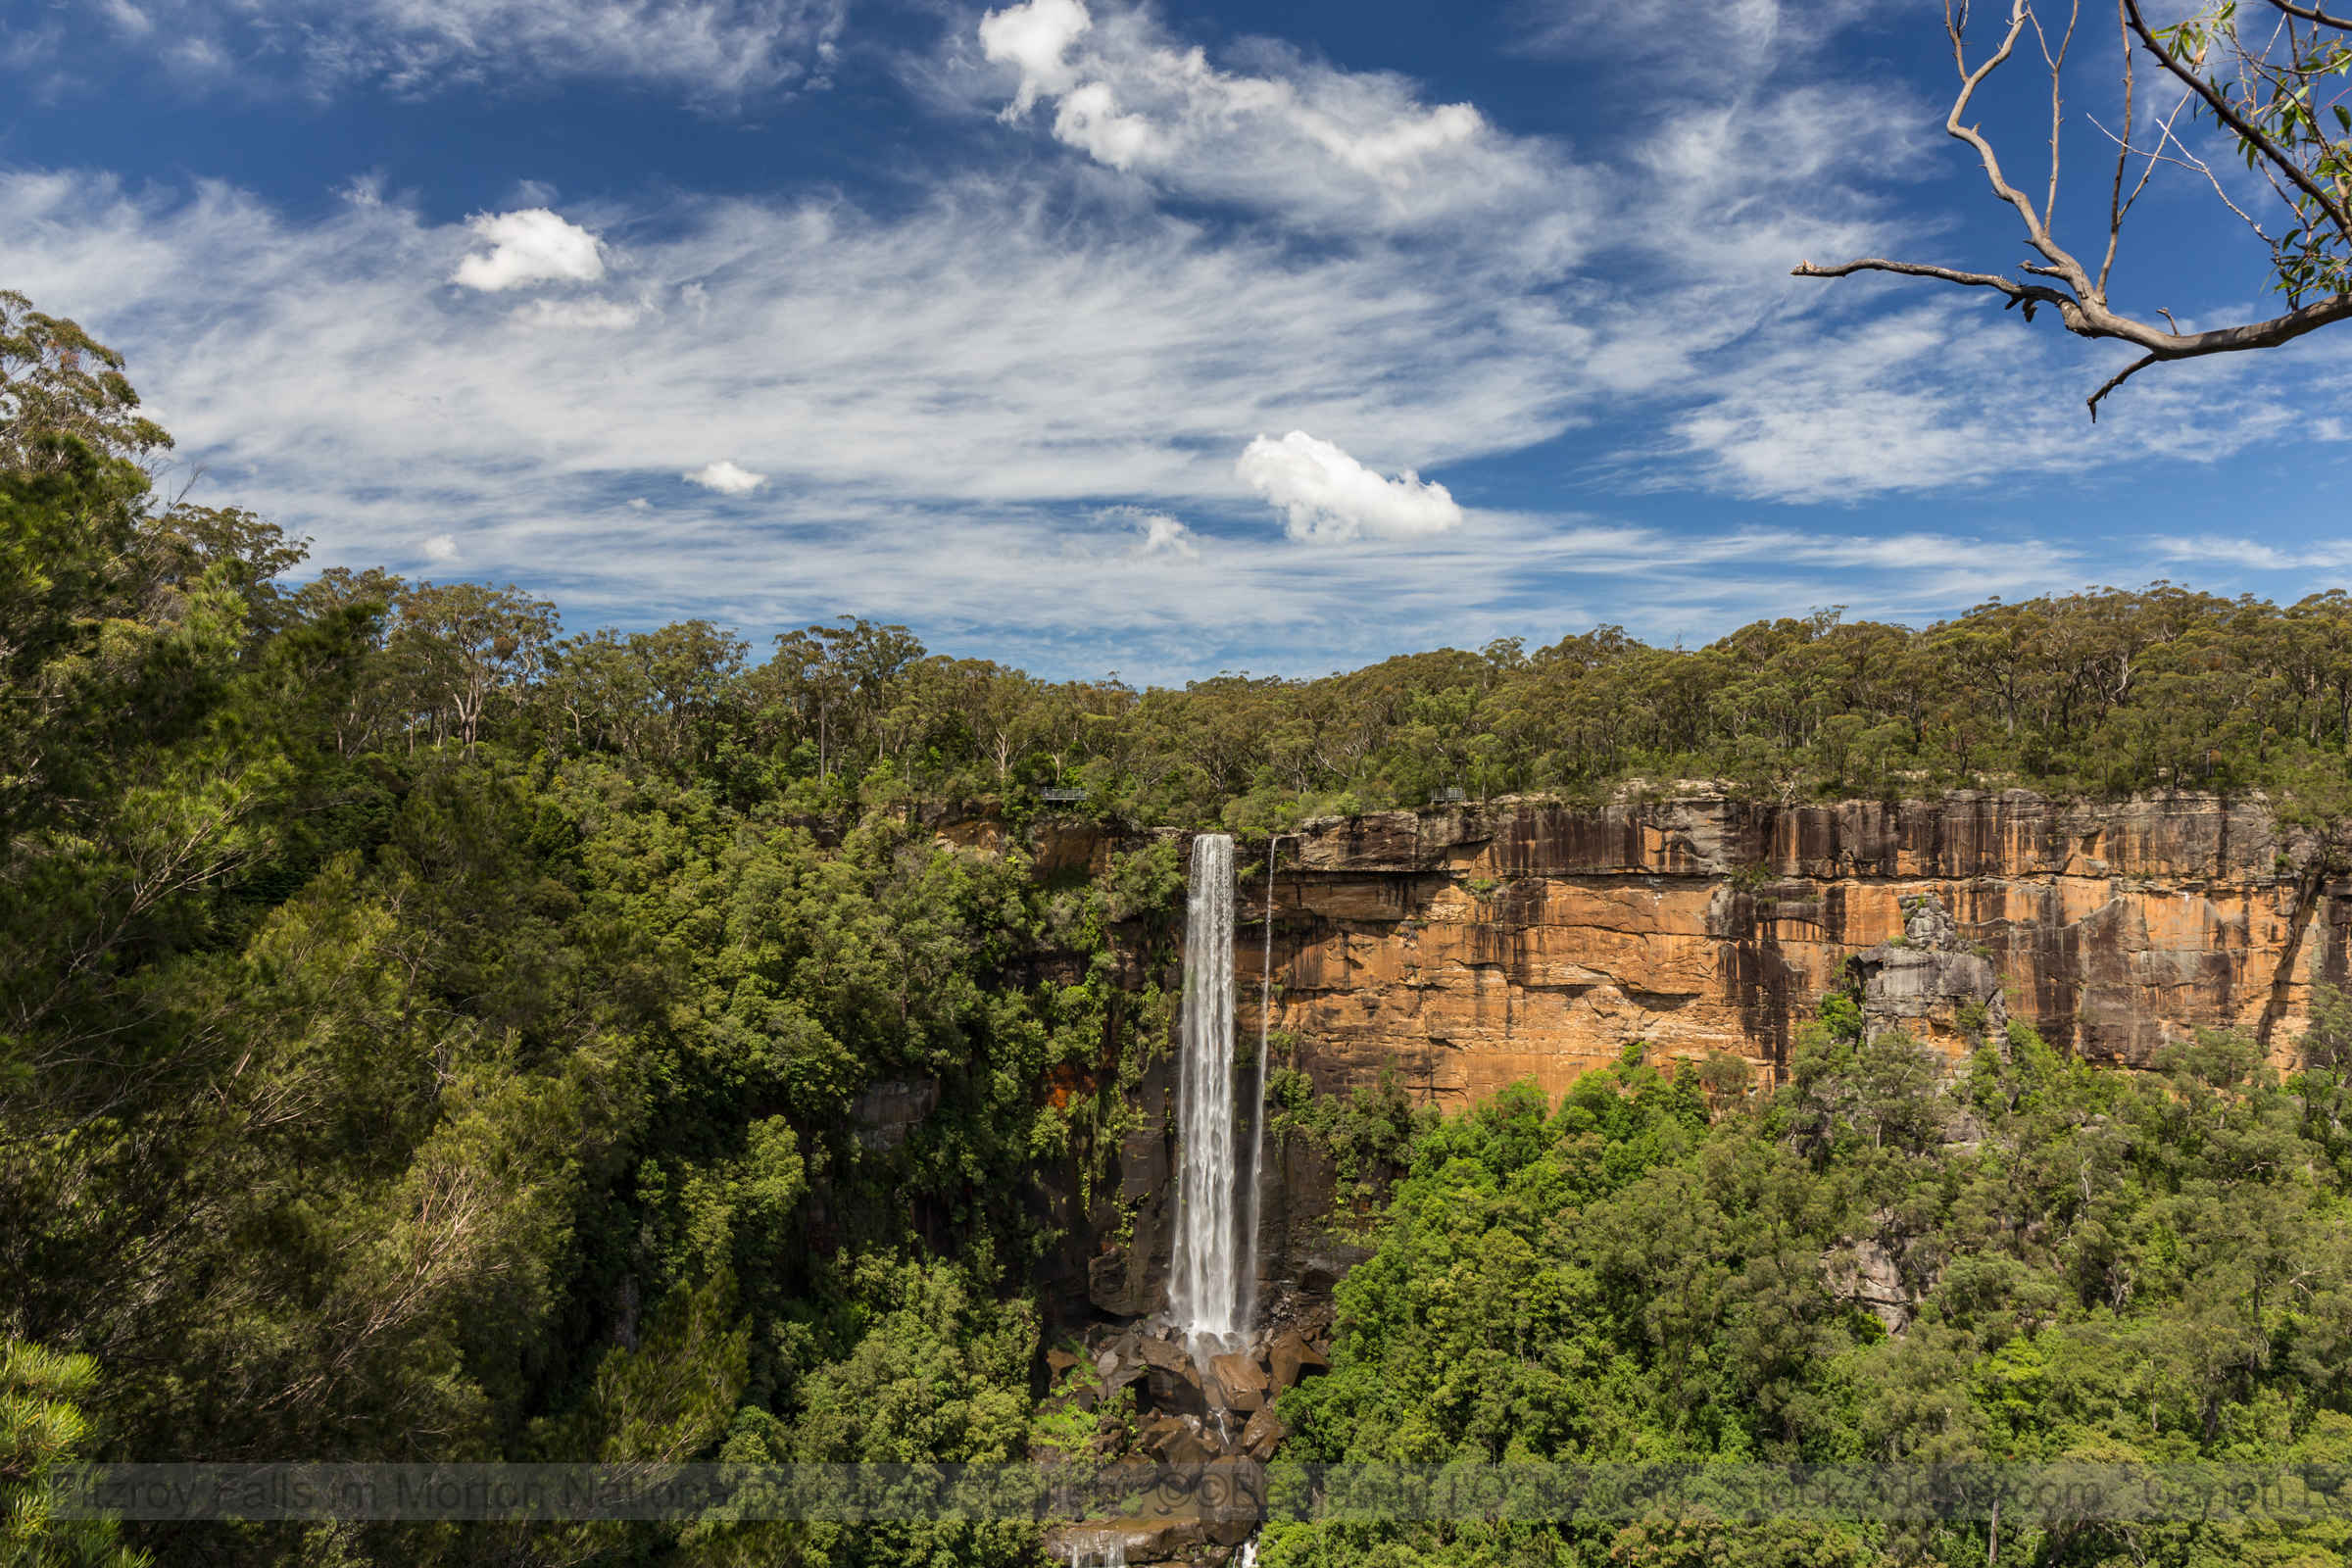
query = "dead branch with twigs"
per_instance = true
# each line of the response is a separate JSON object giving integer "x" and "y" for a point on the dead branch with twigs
{"x": 2262, "y": 94}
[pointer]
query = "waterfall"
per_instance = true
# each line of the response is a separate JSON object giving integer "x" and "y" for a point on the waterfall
{"x": 1208, "y": 1276}
{"x": 1100, "y": 1550}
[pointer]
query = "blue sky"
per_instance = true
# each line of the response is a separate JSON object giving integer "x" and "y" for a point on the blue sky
{"x": 1163, "y": 339}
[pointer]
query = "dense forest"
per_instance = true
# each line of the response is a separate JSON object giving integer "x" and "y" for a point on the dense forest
{"x": 429, "y": 1035}
{"x": 2112, "y": 1268}
{"x": 2105, "y": 692}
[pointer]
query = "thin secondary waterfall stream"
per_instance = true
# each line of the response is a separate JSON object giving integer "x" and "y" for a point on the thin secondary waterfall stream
{"x": 1253, "y": 1178}
{"x": 1209, "y": 1279}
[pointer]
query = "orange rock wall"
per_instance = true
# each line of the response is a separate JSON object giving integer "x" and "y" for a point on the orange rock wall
{"x": 1470, "y": 946}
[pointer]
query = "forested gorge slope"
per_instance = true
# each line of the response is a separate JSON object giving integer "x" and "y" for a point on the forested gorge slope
{"x": 424, "y": 1034}
{"x": 378, "y": 1083}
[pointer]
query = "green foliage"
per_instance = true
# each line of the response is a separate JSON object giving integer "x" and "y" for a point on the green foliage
{"x": 2101, "y": 693}
{"x": 1367, "y": 1134}
{"x": 423, "y": 1038}
{"x": 934, "y": 1369}
{"x": 2278, "y": 88}
{"x": 2122, "y": 1267}
{"x": 1146, "y": 883}
{"x": 60, "y": 391}
{"x": 1065, "y": 1428}
{"x": 43, "y": 1429}
{"x": 2105, "y": 692}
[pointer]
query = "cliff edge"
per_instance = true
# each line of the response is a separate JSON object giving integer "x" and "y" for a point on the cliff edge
{"x": 1472, "y": 946}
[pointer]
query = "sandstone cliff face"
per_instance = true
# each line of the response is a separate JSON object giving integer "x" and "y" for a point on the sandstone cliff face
{"x": 1469, "y": 946}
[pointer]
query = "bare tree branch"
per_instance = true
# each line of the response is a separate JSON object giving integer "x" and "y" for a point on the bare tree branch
{"x": 2314, "y": 14}
{"x": 2118, "y": 379}
{"x": 2117, "y": 206}
{"x": 2019, "y": 13}
{"x": 2081, "y": 301}
{"x": 2185, "y": 160}
{"x": 2057, "y": 67}
{"x": 2031, "y": 293}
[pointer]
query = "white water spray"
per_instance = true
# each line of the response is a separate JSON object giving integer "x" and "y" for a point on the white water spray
{"x": 1208, "y": 1277}
{"x": 1100, "y": 1550}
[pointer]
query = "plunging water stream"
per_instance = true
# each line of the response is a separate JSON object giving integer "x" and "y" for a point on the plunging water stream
{"x": 1210, "y": 1273}
{"x": 1100, "y": 1550}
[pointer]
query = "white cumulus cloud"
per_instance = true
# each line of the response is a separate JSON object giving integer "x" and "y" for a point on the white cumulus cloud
{"x": 529, "y": 246}
{"x": 1351, "y": 149}
{"x": 1035, "y": 39}
{"x": 441, "y": 547}
{"x": 1325, "y": 493}
{"x": 1089, "y": 119}
{"x": 1164, "y": 535}
{"x": 726, "y": 478}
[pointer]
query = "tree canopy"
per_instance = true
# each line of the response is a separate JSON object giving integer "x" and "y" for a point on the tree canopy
{"x": 2032, "y": 1261}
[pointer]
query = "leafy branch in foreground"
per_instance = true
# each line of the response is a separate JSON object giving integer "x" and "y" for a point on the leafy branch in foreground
{"x": 2266, "y": 93}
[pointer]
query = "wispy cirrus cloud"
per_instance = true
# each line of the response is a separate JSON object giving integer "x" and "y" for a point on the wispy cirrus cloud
{"x": 591, "y": 315}
{"x": 1930, "y": 396}
{"x": 1014, "y": 403}
{"x": 982, "y": 347}
{"x": 1743, "y": 36}
{"x": 327, "y": 372}
{"x": 2322, "y": 554}
{"x": 937, "y": 439}
{"x": 711, "y": 51}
